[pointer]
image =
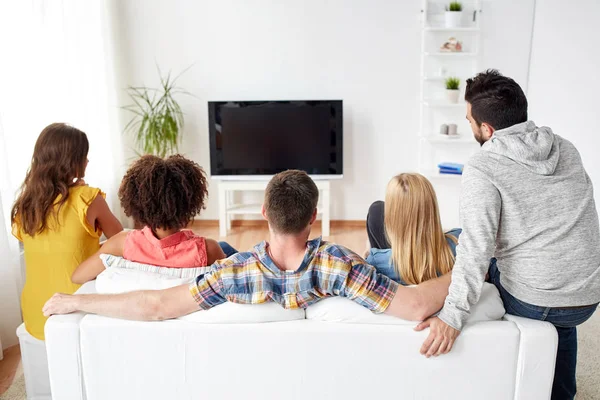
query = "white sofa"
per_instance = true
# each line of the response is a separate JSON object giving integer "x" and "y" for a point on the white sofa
{"x": 97, "y": 358}
{"x": 35, "y": 365}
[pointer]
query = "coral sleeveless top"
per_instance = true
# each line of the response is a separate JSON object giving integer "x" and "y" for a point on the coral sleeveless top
{"x": 183, "y": 249}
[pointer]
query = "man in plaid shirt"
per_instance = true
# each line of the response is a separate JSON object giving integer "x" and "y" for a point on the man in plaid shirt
{"x": 289, "y": 270}
{"x": 325, "y": 270}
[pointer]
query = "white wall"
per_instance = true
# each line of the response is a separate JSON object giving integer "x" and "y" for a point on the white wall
{"x": 56, "y": 69}
{"x": 564, "y": 84}
{"x": 366, "y": 53}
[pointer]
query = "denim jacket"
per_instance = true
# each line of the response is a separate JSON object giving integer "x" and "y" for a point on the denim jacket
{"x": 381, "y": 259}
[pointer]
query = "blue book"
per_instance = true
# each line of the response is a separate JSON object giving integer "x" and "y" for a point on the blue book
{"x": 451, "y": 166}
{"x": 450, "y": 172}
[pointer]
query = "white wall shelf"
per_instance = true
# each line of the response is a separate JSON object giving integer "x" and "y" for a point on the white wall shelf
{"x": 435, "y": 110}
{"x": 434, "y": 78}
{"x": 450, "y": 54}
{"x": 444, "y": 29}
{"x": 435, "y": 175}
{"x": 442, "y": 103}
{"x": 447, "y": 139}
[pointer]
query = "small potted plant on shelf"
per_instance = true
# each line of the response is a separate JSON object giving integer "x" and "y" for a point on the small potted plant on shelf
{"x": 452, "y": 89}
{"x": 453, "y": 14}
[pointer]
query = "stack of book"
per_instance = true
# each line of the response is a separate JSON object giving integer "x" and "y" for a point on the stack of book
{"x": 451, "y": 168}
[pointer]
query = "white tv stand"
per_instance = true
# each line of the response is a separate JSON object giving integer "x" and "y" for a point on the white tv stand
{"x": 227, "y": 209}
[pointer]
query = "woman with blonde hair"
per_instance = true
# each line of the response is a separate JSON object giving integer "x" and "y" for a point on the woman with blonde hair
{"x": 406, "y": 236}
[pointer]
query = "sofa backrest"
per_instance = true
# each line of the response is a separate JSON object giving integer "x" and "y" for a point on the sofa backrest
{"x": 293, "y": 360}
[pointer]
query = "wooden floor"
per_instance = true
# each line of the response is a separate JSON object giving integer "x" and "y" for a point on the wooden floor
{"x": 8, "y": 367}
{"x": 351, "y": 234}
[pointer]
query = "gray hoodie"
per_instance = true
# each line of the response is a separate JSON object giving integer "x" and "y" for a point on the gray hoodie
{"x": 526, "y": 200}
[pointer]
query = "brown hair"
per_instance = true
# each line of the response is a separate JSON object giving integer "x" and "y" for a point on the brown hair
{"x": 59, "y": 157}
{"x": 290, "y": 200}
{"x": 163, "y": 193}
{"x": 413, "y": 228}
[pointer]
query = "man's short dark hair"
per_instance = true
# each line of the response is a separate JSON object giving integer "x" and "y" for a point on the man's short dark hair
{"x": 163, "y": 193}
{"x": 496, "y": 100}
{"x": 290, "y": 200}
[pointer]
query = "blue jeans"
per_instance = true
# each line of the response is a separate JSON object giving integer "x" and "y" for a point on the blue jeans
{"x": 227, "y": 249}
{"x": 565, "y": 319}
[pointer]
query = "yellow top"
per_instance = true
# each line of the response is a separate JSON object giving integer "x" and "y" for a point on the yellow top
{"x": 53, "y": 255}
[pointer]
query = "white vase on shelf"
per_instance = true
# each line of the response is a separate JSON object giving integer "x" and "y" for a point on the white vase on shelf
{"x": 453, "y": 19}
{"x": 452, "y": 95}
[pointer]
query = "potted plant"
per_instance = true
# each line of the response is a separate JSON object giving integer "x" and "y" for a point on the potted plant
{"x": 453, "y": 14}
{"x": 452, "y": 89}
{"x": 158, "y": 120}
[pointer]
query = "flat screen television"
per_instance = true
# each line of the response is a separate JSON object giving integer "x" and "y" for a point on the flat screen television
{"x": 254, "y": 139}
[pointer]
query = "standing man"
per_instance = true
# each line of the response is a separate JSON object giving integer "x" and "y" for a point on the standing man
{"x": 527, "y": 201}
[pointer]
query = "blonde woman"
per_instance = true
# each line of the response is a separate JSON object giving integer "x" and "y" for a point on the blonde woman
{"x": 405, "y": 232}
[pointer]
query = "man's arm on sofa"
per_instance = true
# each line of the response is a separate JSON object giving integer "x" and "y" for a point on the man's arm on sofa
{"x": 146, "y": 305}
{"x": 419, "y": 302}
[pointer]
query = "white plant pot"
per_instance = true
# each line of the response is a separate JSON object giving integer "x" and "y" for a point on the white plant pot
{"x": 452, "y": 95}
{"x": 453, "y": 19}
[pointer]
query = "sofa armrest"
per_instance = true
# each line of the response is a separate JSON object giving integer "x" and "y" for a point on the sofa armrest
{"x": 64, "y": 352}
{"x": 536, "y": 359}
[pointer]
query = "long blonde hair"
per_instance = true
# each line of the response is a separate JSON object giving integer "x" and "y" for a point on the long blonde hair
{"x": 413, "y": 228}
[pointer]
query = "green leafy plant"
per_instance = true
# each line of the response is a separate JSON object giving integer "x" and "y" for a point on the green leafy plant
{"x": 452, "y": 83}
{"x": 454, "y": 6}
{"x": 158, "y": 119}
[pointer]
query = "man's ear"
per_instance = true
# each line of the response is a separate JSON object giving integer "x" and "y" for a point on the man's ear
{"x": 263, "y": 212}
{"x": 487, "y": 130}
{"x": 314, "y": 217}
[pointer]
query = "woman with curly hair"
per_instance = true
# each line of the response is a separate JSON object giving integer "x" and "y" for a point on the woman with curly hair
{"x": 163, "y": 195}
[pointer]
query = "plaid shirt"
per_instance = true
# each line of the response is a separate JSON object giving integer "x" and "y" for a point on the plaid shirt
{"x": 327, "y": 270}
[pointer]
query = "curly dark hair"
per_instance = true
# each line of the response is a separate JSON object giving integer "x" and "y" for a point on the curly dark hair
{"x": 164, "y": 193}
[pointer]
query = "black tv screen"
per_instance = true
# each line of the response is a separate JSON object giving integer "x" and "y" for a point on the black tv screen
{"x": 266, "y": 137}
